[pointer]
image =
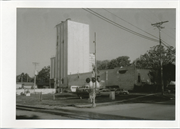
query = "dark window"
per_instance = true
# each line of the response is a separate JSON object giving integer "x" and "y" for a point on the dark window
{"x": 139, "y": 78}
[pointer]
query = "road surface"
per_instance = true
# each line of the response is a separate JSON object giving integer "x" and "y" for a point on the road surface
{"x": 132, "y": 111}
{"x": 22, "y": 114}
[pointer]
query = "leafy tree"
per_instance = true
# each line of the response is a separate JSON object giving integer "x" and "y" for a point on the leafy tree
{"x": 118, "y": 62}
{"x": 113, "y": 63}
{"x": 123, "y": 61}
{"x": 23, "y": 77}
{"x": 44, "y": 76}
{"x": 102, "y": 64}
{"x": 151, "y": 60}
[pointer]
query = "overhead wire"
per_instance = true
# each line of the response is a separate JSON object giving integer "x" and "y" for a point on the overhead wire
{"x": 119, "y": 26}
{"x": 166, "y": 44}
{"x": 161, "y": 21}
{"x": 162, "y": 41}
{"x": 130, "y": 23}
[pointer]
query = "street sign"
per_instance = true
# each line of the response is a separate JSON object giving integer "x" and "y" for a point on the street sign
{"x": 88, "y": 80}
{"x": 93, "y": 80}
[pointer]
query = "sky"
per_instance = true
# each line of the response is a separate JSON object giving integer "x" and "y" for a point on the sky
{"x": 36, "y": 32}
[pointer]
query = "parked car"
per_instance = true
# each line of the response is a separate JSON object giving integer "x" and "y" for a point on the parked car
{"x": 121, "y": 91}
{"x": 171, "y": 87}
{"x": 83, "y": 92}
{"x": 104, "y": 91}
{"x": 112, "y": 87}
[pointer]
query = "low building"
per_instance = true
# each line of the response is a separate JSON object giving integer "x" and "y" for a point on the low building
{"x": 126, "y": 78}
{"x": 25, "y": 85}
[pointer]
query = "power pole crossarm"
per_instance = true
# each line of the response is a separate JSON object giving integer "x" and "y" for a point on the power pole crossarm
{"x": 159, "y": 23}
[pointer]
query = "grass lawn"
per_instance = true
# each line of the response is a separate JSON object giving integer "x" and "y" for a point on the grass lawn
{"x": 68, "y": 99}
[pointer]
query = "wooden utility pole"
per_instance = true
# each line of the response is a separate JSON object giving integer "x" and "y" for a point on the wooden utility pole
{"x": 158, "y": 25}
{"x": 94, "y": 88}
{"x": 35, "y": 63}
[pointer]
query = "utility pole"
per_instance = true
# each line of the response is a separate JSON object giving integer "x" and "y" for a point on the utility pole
{"x": 94, "y": 88}
{"x": 158, "y": 25}
{"x": 35, "y": 63}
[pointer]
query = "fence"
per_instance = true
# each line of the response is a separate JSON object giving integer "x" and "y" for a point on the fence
{"x": 44, "y": 91}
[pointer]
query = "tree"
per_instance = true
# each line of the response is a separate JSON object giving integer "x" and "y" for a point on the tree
{"x": 44, "y": 76}
{"x": 101, "y": 65}
{"x": 123, "y": 61}
{"x": 23, "y": 77}
{"x": 112, "y": 64}
{"x": 151, "y": 60}
{"x": 118, "y": 62}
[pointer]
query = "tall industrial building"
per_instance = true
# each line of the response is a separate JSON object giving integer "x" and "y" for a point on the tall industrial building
{"x": 72, "y": 50}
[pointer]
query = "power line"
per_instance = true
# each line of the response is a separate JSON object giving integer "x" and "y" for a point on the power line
{"x": 122, "y": 27}
{"x": 168, "y": 35}
{"x": 132, "y": 25}
{"x": 119, "y": 26}
{"x": 161, "y": 21}
{"x": 166, "y": 44}
{"x": 163, "y": 42}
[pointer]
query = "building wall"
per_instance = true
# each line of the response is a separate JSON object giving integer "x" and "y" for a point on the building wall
{"x": 78, "y": 47}
{"x": 123, "y": 80}
{"x": 78, "y": 79}
{"x": 112, "y": 77}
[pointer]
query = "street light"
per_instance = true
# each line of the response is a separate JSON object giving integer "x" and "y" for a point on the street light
{"x": 35, "y": 73}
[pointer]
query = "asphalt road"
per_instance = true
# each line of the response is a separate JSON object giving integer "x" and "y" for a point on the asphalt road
{"x": 149, "y": 111}
{"x": 130, "y": 111}
{"x": 27, "y": 115}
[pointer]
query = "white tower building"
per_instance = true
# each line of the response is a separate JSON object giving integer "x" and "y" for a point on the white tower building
{"x": 72, "y": 50}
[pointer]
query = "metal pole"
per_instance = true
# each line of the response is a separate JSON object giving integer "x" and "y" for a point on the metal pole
{"x": 35, "y": 63}
{"x": 94, "y": 88}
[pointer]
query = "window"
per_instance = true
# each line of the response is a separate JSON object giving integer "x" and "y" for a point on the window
{"x": 139, "y": 78}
